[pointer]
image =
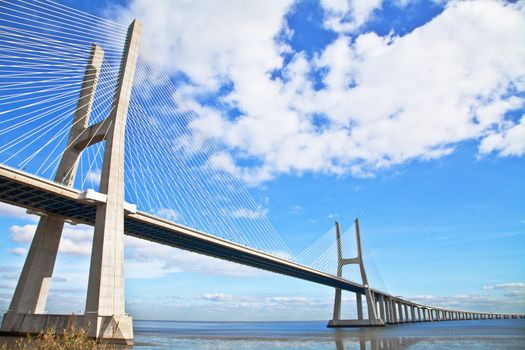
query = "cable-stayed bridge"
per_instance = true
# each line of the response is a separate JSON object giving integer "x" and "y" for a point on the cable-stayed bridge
{"x": 93, "y": 131}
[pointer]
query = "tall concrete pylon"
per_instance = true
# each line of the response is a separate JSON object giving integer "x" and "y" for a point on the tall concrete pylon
{"x": 105, "y": 299}
{"x": 105, "y": 315}
{"x": 372, "y": 320}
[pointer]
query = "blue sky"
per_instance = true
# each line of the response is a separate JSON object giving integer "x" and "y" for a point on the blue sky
{"x": 407, "y": 114}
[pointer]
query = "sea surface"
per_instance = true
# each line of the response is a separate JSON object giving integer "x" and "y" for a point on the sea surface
{"x": 473, "y": 334}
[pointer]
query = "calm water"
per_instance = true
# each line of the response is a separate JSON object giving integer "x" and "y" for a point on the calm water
{"x": 482, "y": 334}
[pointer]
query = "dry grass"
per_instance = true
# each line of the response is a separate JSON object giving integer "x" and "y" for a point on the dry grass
{"x": 70, "y": 339}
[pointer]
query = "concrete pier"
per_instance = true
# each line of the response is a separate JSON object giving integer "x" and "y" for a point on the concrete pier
{"x": 105, "y": 299}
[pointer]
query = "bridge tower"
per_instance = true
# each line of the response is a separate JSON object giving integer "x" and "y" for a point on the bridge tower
{"x": 372, "y": 320}
{"x": 104, "y": 315}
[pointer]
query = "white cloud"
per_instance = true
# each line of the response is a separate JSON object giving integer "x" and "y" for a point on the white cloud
{"x": 212, "y": 38}
{"x": 348, "y": 15}
{"x": 93, "y": 176}
{"x": 18, "y": 251}
{"x": 509, "y": 141}
{"x": 75, "y": 240}
{"x": 385, "y": 100}
{"x": 72, "y": 247}
{"x": 12, "y": 211}
{"x": 22, "y": 234}
{"x": 168, "y": 213}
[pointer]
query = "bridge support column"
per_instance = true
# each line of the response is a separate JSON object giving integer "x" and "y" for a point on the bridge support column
{"x": 382, "y": 311}
{"x": 388, "y": 311}
{"x": 105, "y": 299}
{"x": 372, "y": 320}
{"x": 393, "y": 309}
{"x": 401, "y": 317}
{"x": 104, "y": 316}
{"x": 359, "y": 305}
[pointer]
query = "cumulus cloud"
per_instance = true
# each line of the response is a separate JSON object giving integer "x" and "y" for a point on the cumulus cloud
{"x": 75, "y": 240}
{"x": 508, "y": 141}
{"x": 212, "y": 38}
{"x": 381, "y": 101}
{"x": 18, "y": 251}
{"x": 348, "y": 15}
{"x": 22, "y": 234}
{"x": 12, "y": 211}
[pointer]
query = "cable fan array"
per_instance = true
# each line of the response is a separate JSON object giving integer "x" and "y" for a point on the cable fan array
{"x": 44, "y": 48}
{"x": 170, "y": 167}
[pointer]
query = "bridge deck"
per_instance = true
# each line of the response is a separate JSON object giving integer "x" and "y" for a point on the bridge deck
{"x": 44, "y": 196}
{"x": 26, "y": 190}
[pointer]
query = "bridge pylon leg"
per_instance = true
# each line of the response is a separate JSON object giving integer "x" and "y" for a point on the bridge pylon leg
{"x": 105, "y": 313}
{"x": 373, "y": 319}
